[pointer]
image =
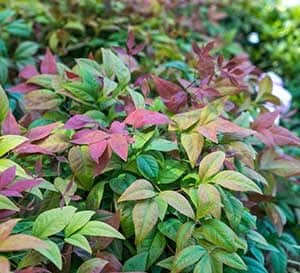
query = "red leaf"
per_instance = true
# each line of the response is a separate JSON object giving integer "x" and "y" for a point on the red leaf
{"x": 89, "y": 137}
{"x": 97, "y": 150}
{"x": 142, "y": 117}
{"x": 41, "y": 132}
{"x": 172, "y": 95}
{"x": 10, "y": 125}
{"x": 28, "y": 72}
{"x": 48, "y": 64}
{"x": 78, "y": 121}
{"x": 119, "y": 145}
{"x": 103, "y": 161}
{"x": 23, "y": 88}
{"x": 7, "y": 176}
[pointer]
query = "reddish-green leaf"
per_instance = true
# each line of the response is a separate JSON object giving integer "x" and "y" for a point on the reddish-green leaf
{"x": 178, "y": 202}
{"x": 145, "y": 215}
{"x": 235, "y": 181}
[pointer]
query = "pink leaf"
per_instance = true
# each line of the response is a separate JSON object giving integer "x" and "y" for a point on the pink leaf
{"x": 23, "y": 88}
{"x": 97, "y": 150}
{"x": 28, "y": 72}
{"x": 142, "y": 117}
{"x": 172, "y": 95}
{"x": 78, "y": 121}
{"x": 24, "y": 184}
{"x": 28, "y": 148}
{"x": 117, "y": 128}
{"x": 265, "y": 120}
{"x": 41, "y": 132}
{"x": 7, "y": 176}
{"x": 48, "y": 64}
{"x": 119, "y": 145}
{"x": 89, "y": 137}
{"x": 10, "y": 125}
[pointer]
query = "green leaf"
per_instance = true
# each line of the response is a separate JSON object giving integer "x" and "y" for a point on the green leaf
{"x": 4, "y": 105}
{"x": 178, "y": 202}
{"x": 52, "y": 221}
{"x": 97, "y": 228}
{"x": 264, "y": 88}
{"x": 44, "y": 80}
{"x": 211, "y": 164}
{"x": 154, "y": 245}
{"x": 145, "y": 216}
{"x": 5, "y": 203}
{"x": 136, "y": 263}
{"x": 183, "y": 235}
{"x": 254, "y": 266}
{"x": 26, "y": 49}
{"x": 187, "y": 257}
{"x": 162, "y": 207}
{"x": 140, "y": 139}
{"x": 92, "y": 265}
{"x": 148, "y": 166}
{"x": 113, "y": 65}
{"x": 9, "y": 142}
{"x": 230, "y": 259}
{"x": 235, "y": 181}
{"x": 167, "y": 263}
{"x": 139, "y": 190}
{"x": 80, "y": 91}
{"x": 138, "y": 99}
{"x": 82, "y": 166}
{"x": 218, "y": 233}
{"x": 94, "y": 198}
{"x": 3, "y": 71}
{"x": 52, "y": 252}
{"x": 279, "y": 261}
{"x": 204, "y": 265}
{"x": 172, "y": 171}
{"x": 7, "y": 163}
{"x": 233, "y": 208}
{"x": 209, "y": 201}
{"x": 79, "y": 241}
{"x": 122, "y": 182}
{"x": 163, "y": 145}
{"x": 79, "y": 219}
{"x": 169, "y": 228}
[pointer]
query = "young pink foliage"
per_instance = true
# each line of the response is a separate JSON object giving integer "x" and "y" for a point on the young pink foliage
{"x": 78, "y": 122}
{"x": 48, "y": 64}
{"x": 10, "y": 125}
{"x": 23, "y": 88}
{"x": 89, "y": 137}
{"x": 28, "y": 148}
{"x": 41, "y": 132}
{"x": 7, "y": 176}
{"x": 143, "y": 117}
{"x": 28, "y": 72}
{"x": 97, "y": 149}
{"x": 119, "y": 145}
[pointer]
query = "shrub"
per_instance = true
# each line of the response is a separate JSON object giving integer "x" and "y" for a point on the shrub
{"x": 137, "y": 172}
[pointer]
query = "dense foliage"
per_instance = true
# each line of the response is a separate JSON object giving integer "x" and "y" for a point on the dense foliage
{"x": 138, "y": 143}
